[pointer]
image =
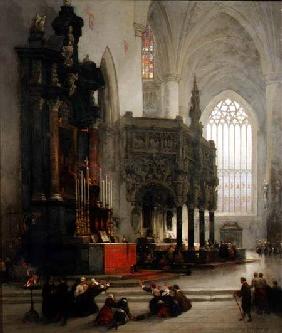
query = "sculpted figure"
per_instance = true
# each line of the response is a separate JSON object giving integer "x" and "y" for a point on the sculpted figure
{"x": 38, "y": 23}
{"x": 67, "y": 53}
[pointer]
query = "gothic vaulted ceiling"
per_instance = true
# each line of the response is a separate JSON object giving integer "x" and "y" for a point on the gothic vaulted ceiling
{"x": 228, "y": 45}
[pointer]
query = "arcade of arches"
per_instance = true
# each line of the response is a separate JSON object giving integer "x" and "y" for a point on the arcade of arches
{"x": 87, "y": 136}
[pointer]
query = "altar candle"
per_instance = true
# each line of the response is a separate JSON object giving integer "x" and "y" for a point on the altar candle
{"x": 111, "y": 193}
{"x": 107, "y": 185}
{"x": 103, "y": 197}
{"x": 84, "y": 193}
{"x": 87, "y": 185}
{"x": 76, "y": 195}
{"x": 81, "y": 190}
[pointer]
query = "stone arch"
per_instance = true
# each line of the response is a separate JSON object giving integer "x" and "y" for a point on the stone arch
{"x": 111, "y": 96}
{"x": 163, "y": 37}
{"x": 254, "y": 123}
{"x": 232, "y": 95}
{"x": 153, "y": 200}
{"x": 155, "y": 186}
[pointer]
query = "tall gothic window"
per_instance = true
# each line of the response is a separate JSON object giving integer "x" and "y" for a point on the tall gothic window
{"x": 229, "y": 127}
{"x": 148, "y": 49}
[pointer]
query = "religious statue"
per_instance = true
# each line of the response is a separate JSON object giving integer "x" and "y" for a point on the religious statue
{"x": 38, "y": 23}
{"x": 67, "y": 3}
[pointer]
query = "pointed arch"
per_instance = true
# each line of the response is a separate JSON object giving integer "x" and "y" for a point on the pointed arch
{"x": 163, "y": 36}
{"x": 111, "y": 97}
{"x": 236, "y": 143}
{"x": 234, "y": 96}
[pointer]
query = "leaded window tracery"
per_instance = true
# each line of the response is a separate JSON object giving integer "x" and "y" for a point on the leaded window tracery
{"x": 230, "y": 128}
{"x": 148, "y": 50}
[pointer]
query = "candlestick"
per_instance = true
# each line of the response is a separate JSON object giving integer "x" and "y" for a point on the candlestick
{"x": 111, "y": 193}
{"x": 103, "y": 197}
{"x": 81, "y": 193}
{"x": 106, "y": 197}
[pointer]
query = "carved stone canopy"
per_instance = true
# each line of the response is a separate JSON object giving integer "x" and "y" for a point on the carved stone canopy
{"x": 166, "y": 152}
{"x": 155, "y": 195}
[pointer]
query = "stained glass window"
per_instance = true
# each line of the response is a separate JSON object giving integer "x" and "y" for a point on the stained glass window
{"x": 229, "y": 127}
{"x": 148, "y": 49}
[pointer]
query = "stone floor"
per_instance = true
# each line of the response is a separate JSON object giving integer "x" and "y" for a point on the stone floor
{"x": 204, "y": 317}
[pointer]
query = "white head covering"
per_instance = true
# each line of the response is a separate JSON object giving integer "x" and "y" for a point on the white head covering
{"x": 94, "y": 281}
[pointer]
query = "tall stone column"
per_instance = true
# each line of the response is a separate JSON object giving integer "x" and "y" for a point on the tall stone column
{"x": 170, "y": 98}
{"x": 191, "y": 237}
{"x": 211, "y": 221}
{"x": 54, "y": 149}
{"x": 37, "y": 149}
{"x": 202, "y": 226}
{"x": 274, "y": 157}
{"x": 179, "y": 227}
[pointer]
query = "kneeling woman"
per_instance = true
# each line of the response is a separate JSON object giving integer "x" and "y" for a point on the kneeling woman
{"x": 113, "y": 313}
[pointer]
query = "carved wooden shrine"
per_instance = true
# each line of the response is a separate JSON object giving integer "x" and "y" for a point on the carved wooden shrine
{"x": 60, "y": 153}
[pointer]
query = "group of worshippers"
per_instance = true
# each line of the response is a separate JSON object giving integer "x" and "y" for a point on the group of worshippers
{"x": 227, "y": 250}
{"x": 60, "y": 301}
{"x": 266, "y": 298}
{"x": 267, "y": 248}
{"x": 167, "y": 301}
{"x": 260, "y": 295}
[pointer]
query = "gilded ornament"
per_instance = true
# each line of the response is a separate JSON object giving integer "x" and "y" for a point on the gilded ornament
{"x": 38, "y": 23}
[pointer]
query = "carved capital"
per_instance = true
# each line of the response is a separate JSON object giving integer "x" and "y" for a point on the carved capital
{"x": 274, "y": 77}
{"x": 172, "y": 77}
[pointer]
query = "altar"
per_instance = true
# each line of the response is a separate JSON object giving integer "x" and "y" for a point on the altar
{"x": 111, "y": 258}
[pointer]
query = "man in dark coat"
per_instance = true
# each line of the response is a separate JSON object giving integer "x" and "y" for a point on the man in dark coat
{"x": 275, "y": 298}
{"x": 246, "y": 299}
{"x": 48, "y": 300}
{"x": 63, "y": 301}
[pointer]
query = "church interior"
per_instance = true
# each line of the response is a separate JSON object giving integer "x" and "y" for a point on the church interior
{"x": 139, "y": 122}
{"x": 139, "y": 134}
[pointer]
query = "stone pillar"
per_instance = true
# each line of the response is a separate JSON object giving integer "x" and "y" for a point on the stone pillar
{"x": 274, "y": 157}
{"x": 37, "y": 149}
{"x": 54, "y": 149}
{"x": 170, "y": 99}
{"x": 202, "y": 226}
{"x": 191, "y": 238}
{"x": 211, "y": 218}
{"x": 179, "y": 227}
